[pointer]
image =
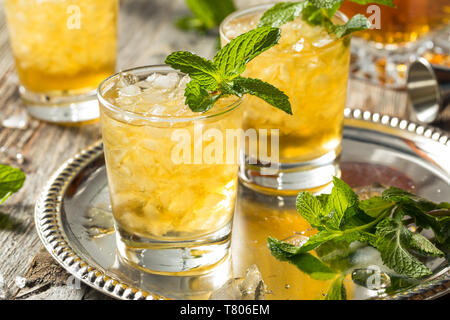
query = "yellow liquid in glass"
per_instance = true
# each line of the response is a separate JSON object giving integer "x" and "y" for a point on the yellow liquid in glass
{"x": 311, "y": 67}
{"x": 152, "y": 195}
{"x": 65, "y": 45}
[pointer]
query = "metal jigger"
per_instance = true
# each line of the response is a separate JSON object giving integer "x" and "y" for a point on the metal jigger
{"x": 429, "y": 89}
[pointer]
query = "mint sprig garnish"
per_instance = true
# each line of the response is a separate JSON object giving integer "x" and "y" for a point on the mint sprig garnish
{"x": 207, "y": 14}
{"x": 382, "y": 222}
{"x": 11, "y": 180}
{"x": 211, "y": 80}
{"x": 318, "y": 13}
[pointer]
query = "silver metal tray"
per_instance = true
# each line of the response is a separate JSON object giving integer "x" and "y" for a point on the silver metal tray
{"x": 74, "y": 221}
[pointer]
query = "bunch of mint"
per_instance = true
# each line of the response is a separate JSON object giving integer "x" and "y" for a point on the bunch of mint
{"x": 318, "y": 13}
{"x": 381, "y": 222}
{"x": 11, "y": 180}
{"x": 211, "y": 80}
{"x": 207, "y": 14}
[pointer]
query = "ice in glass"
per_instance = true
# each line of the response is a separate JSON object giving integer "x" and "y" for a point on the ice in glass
{"x": 173, "y": 206}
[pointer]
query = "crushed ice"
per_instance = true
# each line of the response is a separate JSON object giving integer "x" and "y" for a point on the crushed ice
{"x": 251, "y": 287}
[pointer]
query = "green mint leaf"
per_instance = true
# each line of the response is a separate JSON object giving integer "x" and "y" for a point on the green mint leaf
{"x": 355, "y": 217}
{"x": 331, "y": 6}
{"x": 443, "y": 234}
{"x": 318, "y": 239}
{"x": 198, "y": 99}
{"x": 389, "y": 3}
{"x": 303, "y": 261}
{"x": 232, "y": 58}
{"x": 393, "y": 241}
{"x": 207, "y": 14}
{"x": 341, "y": 198}
{"x": 417, "y": 208}
{"x": 281, "y": 13}
{"x": 282, "y": 250}
{"x": 191, "y": 23}
{"x": 213, "y": 79}
{"x": 312, "y": 266}
{"x": 328, "y": 236}
{"x": 310, "y": 209}
{"x": 443, "y": 205}
{"x": 198, "y": 68}
{"x": 11, "y": 180}
{"x": 326, "y": 4}
{"x": 323, "y": 199}
{"x": 401, "y": 196}
{"x": 337, "y": 290}
{"x": 356, "y": 23}
{"x": 318, "y": 13}
{"x": 376, "y": 206}
{"x": 263, "y": 90}
{"x": 424, "y": 246}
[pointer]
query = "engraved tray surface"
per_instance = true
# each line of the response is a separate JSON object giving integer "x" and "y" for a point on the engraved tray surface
{"x": 74, "y": 222}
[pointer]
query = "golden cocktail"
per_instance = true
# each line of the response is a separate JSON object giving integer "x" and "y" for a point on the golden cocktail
{"x": 311, "y": 67}
{"x": 172, "y": 187}
{"x": 63, "y": 50}
{"x": 409, "y": 21}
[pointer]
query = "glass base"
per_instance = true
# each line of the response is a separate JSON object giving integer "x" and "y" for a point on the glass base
{"x": 175, "y": 257}
{"x": 62, "y": 108}
{"x": 289, "y": 179}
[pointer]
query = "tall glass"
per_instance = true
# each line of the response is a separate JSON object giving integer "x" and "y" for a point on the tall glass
{"x": 63, "y": 50}
{"x": 171, "y": 177}
{"x": 311, "y": 67}
{"x": 399, "y": 35}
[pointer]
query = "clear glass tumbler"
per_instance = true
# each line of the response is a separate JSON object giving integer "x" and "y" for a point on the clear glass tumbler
{"x": 172, "y": 173}
{"x": 312, "y": 68}
{"x": 63, "y": 50}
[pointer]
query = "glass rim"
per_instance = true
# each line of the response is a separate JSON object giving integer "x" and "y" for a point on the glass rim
{"x": 149, "y": 69}
{"x": 257, "y": 8}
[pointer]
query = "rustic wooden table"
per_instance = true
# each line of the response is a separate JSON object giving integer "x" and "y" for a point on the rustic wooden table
{"x": 147, "y": 35}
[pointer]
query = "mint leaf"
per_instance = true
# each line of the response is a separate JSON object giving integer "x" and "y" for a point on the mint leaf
{"x": 282, "y": 250}
{"x": 424, "y": 246}
{"x": 199, "y": 69}
{"x": 393, "y": 241}
{"x": 207, "y": 14}
{"x": 356, "y": 23}
{"x": 312, "y": 266}
{"x": 376, "y": 206}
{"x": 197, "y": 98}
{"x": 355, "y": 217}
{"x": 326, "y": 4}
{"x": 212, "y": 80}
{"x": 11, "y": 180}
{"x": 281, "y": 13}
{"x": 318, "y": 239}
{"x": 389, "y": 3}
{"x": 232, "y": 58}
{"x": 342, "y": 219}
{"x": 263, "y": 90}
{"x": 337, "y": 290}
{"x": 341, "y": 198}
{"x": 191, "y": 23}
{"x": 310, "y": 208}
{"x": 318, "y": 13}
{"x": 443, "y": 234}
